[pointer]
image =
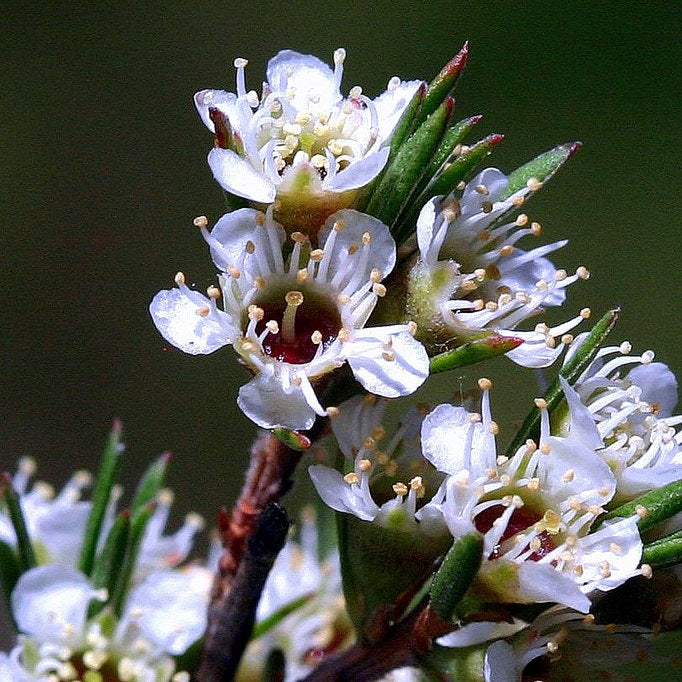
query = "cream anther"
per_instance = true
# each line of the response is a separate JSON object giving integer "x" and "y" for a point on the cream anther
{"x": 379, "y": 290}
{"x": 240, "y": 63}
{"x": 250, "y": 247}
{"x": 213, "y": 292}
{"x": 200, "y": 221}
{"x": 482, "y": 189}
{"x": 485, "y": 384}
{"x": 203, "y": 311}
{"x": 521, "y": 220}
{"x": 333, "y": 411}
{"x": 583, "y": 272}
{"x": 316, "y": 337}
{"x": 625, "y": 347}
{"x": 351, "y": 478}
{"x": 540, "y": 403}
{"x": 533, "y": 184}
{"x": 585, "y": 313}
{"x": 260, "y": 219}
{"x": 536, "y": 229}
{"x": 234, "y": 272}
{"x": 344, "y": 334}
{"x": 299, "y": 237}
{"x": 339, "y": 55}
{"x": 302, "y": 275}
{"x": 179, "y": 279}
{"x": 364, "y": 465}
{"x": 316, "y": 255}
{"x": 400, "y": 489}
{"x": 366, "y": 238}
{"x": 272, "y": 326}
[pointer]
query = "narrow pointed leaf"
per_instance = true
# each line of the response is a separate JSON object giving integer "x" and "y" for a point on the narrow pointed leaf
{"x": 444, "y": 181}
{"x": 443, "y": 84}
{"x": 265, "y": 625}
{"x": 652, "y": 508}
{"x": 541, "y": 168}
{"x": 10, "y": 570}
{"x": 571, "y": 371}
{"x": 108, "y": 565}
{"x": 455, "y": 575}
{"x": 293, "y": 439}
{"x": 135, "y": 537}
{"x": 407, "y": 168}
{"x": 25, "y": 553}
{"x": 150, "y": 484}
{"x": 664, "y": 552}
{"x": 473, "y": 352}
{"x": 106, "y": 478}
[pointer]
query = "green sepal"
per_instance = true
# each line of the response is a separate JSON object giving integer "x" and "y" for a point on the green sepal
{"x": 136, "y": 535}
{"x": 265, "y": 625}
{"x": 455, "y": 575}
{"x": 442, "y": 85}
{"x": 107, "y": 567}
{"x": 405, "y": 125}
{"x": 10, "y": 570}
{"x": 25, "y": 554}
{"x": 445, "y": 180}
{"x": 106, "y": 478}
{"x": 473, "y": 352}
{"x": 571, "y": 371}
{"x": 404, "y": 172}
{"x": 367, "y": 549}
{"x": 293, "y": 439}
{"x": 660, "y": 505}
{"x": 150, "y": 484}
{"x": 666, "y": 551}
{"x": 542, "y": 167}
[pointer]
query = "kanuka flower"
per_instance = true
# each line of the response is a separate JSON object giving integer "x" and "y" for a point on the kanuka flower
{"x": 472, "y": 278}
{"x": 163, "y": 616}
{"x": 295, "y": 319}
{"x": 628, "y": 400}
{"x": 302, "y": 142}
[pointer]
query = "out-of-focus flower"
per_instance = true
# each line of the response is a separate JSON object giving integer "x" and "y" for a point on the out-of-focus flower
{"x": 162, "y": 617}
{"x": 302, "y": 142}
{"x": 293, "y": 321}
{"x": 471, "y": 277}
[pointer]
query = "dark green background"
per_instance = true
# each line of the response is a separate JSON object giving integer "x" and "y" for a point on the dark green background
{"x": 102, "y": 166}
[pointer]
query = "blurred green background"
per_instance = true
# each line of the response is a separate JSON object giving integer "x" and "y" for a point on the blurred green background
{"x": 103, "y": 167}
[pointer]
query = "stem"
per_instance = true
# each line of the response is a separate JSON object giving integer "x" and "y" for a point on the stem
{"x": 236, "y": 590}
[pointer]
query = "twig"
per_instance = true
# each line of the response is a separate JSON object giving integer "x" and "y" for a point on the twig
{"x": 232, "y": 619}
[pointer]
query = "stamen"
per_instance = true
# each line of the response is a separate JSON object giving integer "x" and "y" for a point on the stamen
{"x": 293, "y": 300}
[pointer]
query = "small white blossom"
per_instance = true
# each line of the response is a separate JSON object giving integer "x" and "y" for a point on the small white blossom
{"x": 300, "y": 124}
{"x": 486, "y": 282}
{"x": 293, "y": 321}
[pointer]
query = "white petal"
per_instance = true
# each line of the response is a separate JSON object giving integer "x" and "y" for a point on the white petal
{"x": 477, "y": 633}
{"x": 426, "y": 222}
{"x": 170, "y": 607}
{"x": 582, "y": 426}
{"x": 500, "y": 663}
{"x": 175, "y": 315}
{"x": 339, "y": 495}
{"x": 356, "y": 420}
{"x": 48, "y": 598}
{"x": 404, "y": 374}
{"x": 658, "y": 384}
{"x": 390, "y": 106}
{"x": 304, "y": 75}
{"x": 493, "y": 179}
{"x": 444, "y": 441}
{"x": 534, "y": 351}
{"x": 237, "y": 176}
{"x": 61, "y": 530}
{"x": 264, "y": 401}
{"x": 381, "y": 248}
{"x": 220, "y": 99}
{"x": 543, "y": 583}
{"x": 359, "y": 173}
{"x": 233, "y": 231}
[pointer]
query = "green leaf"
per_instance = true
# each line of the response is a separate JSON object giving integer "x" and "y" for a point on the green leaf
{"x": 9, "y": 570}
{"x": 150, "y": 484}
{"x": 26, "y": 555}
{"x": 652, "y": 508}
{"x": 404, "y": 172}
{"x": 442, "y": 85}
{"x": 293, "y": 439}
{"x": 473, "y": 352}
{"x": 108, "y": 565}
{"x": 571, "y": 371}
{"x": 444, "y": 181}
{"x": 136, "y": 535}
{"x": 455, "y": 575}
{"x": 541, "y": 168}
{"x": 106, "y": 478}
{"x": 666, "y": 551}
{"x": 279, "y": 615}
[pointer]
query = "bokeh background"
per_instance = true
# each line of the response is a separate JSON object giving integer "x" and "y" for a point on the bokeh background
{"x": 102, "y": 167}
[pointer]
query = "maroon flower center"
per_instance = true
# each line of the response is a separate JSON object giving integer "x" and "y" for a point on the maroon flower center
{"x": 521, "y": 519}
{"x": 304, "y": 322}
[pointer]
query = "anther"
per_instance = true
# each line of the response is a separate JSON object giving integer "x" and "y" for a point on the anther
{"x": 234, "y": 272}
{"x": 293, "y": 300}
{"x": 400, "y": 489}
{"x": 203, "y": 311}
{"x": 200, "y": 221}
{"x": 535, "y": 229}
{"x": 250, "y": 247}
{"x": 583, "y": 272}
{"x": 585, "y": 313}
{"x": 366, "y": 238}
{"x": 412, "y": 328}
{"x": 485, "y": 384}
{"x": 316, "y": 337}
{"x": 482, "y": 189}
{"x": 213, "y": 292}
{"x": 302, "y": 275}
{"x": 179, "y": 279}
{"x": 521, "y": 220}
{"x": 375, "y": 275}
{"x": 540, "y": 403}
{"x": 333, "y": 411}
{"x": 240, "y": 63}
{"x": 364, "y": 465}
{"x": 344, "y": 334}
{"x": 533, "y": 184}
{"x": 379, "y": 290}
{"x": 260, "y": 219}
{"x": 299, "y": 237}
{"x": 316, "y": 255}
{"x": 351, "y": 478}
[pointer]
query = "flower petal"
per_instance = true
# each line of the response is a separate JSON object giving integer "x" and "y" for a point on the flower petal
{"x": 220, "y": 99}
{"x": 342, "y": 496}
{"x": 389, "y": 373}
{"x": 356, "y": 420}
{"x": 390, "y": 106}
{"x": 237, "y": 176}
{"x": 265, "y": 401}
{"x": 359, "y": 173}
{"x": 176, "y": 314}
{"x": 582, "y": 426}
{"x": 658, "y": 384}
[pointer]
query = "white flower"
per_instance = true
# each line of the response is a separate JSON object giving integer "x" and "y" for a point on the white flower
{"x": 163, "y": 616}
{"x": 485, "y": 282}
{"x": 294, "y": 321}
{"x": 630, "y": 413}
{"x": 301, "y": 125}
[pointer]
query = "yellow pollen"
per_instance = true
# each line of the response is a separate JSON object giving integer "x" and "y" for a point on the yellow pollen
{"x": 417, "y": 485}
{"x": 260, "y": 219}
{"x": 604, "y": 491}
{"x": 507, "y": 250}
{"x": 375, "y": 275}
{"x": 378, "y": 433}
{"x": 344, "y": 334}
{"x": 353, "y": 248}
{"x": 379, "y": 290}
{"x": 294, "y": 298}
{"x": 518, "y": 201}
{"x": 494, "y": 428}
{"x": 302, "y": 275}
{"x": 316, "y": 255}
{"x": 585, "y": 313}
{"x": 200, "y": 221}
{"x": 400, "y": 489}
{"x": 567, "y": 339}
{"x": 545, "y": 449}
{"x": 485, "y": 384}
{"x": 482, "y": 189}
{"x": 364, "y": 465}
{"x": 533, "y": 484}
{"x": 486, "y": 207}
{"x": 179, "y": 279}
{"x": 535, "y": 229}
{"x": 351, "y": 478}
{"x": 568, "y": 476}
{"x": 343, "y": 299}
{"x": 339, "y": 226}
{"x": 641, "y": 511}
{"x": 299, "y": 237}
